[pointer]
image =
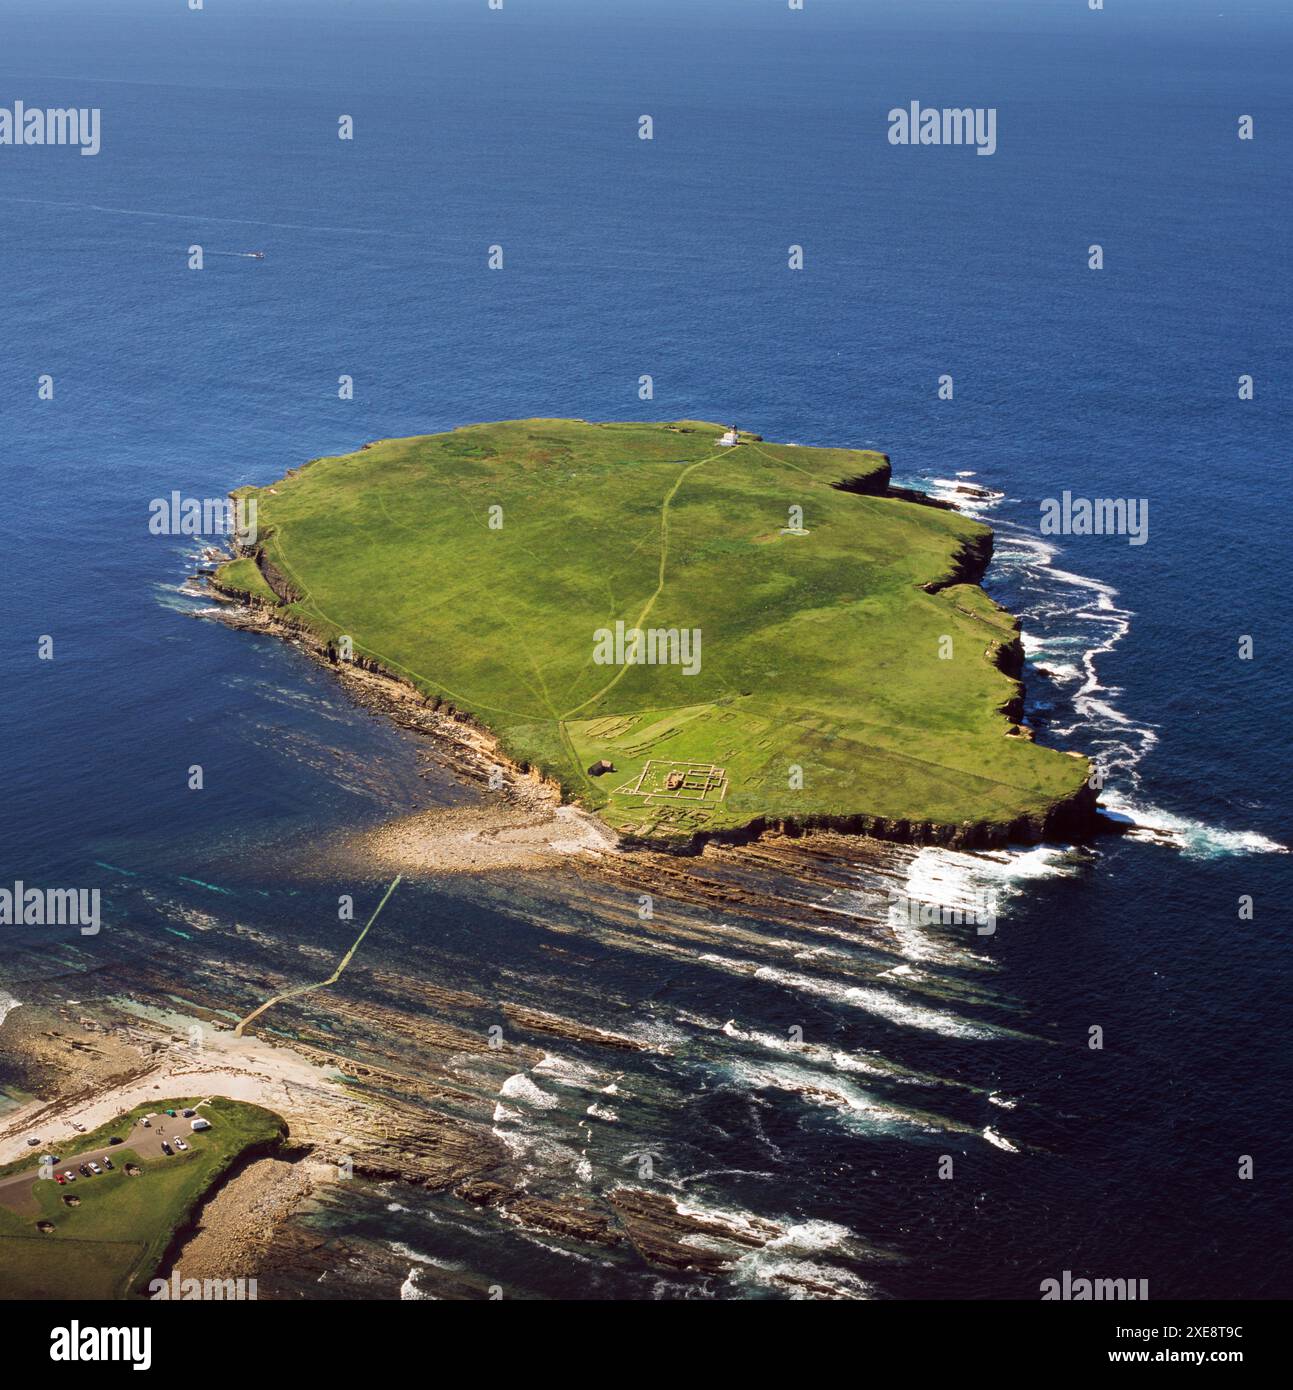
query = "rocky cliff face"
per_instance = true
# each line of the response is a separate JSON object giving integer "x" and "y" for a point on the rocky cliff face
{"x": 868, "y": 484}
{"x": 1074, "y": 818}
{"x": 969, "y": 563}
{"x": 274, "y": 577}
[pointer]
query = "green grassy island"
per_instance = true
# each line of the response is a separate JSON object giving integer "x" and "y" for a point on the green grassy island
{"x": 815, "y": 649}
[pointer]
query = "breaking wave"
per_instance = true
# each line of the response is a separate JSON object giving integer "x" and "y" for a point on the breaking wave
{"x": 8, "y": 1004}
{"x": 882, "y": 1004}
{"x": 1194, "y": 838}
{"x": 1070, "y": 621}
{"x": 521, "y": 1088}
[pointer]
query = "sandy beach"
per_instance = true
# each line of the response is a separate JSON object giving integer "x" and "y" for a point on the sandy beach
{"x": 241, "y": 1068}
{"x": 522, "y": 823}
{"x": 532, "y": 834}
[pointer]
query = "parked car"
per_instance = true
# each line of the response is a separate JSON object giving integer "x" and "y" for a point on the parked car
{"x": 95, "y": 1169}
{"x": 114, "y": 1140}
{"x": 166, "y": 1148}
{"x": 84, "y": 1170}
{"x": 107, "y": 1162}
{"x": 188, "y": 1114}
{"x": 69, "y": 1176}
{"x": 147, "y": 1123}
{"x": 60, "y": 1179}
{"x": 171, "y": 1113}
{"x": 33, "y": 1142}
{"x": 179, "y": 1143}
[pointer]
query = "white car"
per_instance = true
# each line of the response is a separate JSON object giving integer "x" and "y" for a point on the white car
{"x": 94, "y": 1168}
{"x": 70, "y": 1176}
{"x": 179, "y": 1143}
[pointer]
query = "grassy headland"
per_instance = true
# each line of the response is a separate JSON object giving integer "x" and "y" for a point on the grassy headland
{"x": 852, "y": 672}
{"x": 111, "y": 1241}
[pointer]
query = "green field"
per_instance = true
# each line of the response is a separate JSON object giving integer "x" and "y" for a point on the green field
{"x": 109, "y": 1245}
{"x": 242, "y": 577}
{"x": 821, "y": 648}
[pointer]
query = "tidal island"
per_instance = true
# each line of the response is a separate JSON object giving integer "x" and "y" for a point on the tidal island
{"x": 691, "y": 631}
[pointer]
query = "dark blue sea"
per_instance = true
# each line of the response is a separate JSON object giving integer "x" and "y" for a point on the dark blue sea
{"x": 669, "y": 258}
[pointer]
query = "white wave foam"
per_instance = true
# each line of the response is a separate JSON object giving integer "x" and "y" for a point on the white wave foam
{"x": 881, "y": 1003}
{"x": 1000, "y": 1141}
{"x": 1091, "y": 629}
{"x": 726, "y": 1173}
{"x": 1086, "y": 630}
{"x": 1194, "y": 838}
{"x": 1118, "y": 741}
{"x": 804, "y": 1278}
{"x": 661, "y": 1035}
{"x": 406, "y": 1252}
{"x": 965, "y": 883}
{"x": 566, "y": 1071}
{"x": 954, "y": 878}
{"x": 541, "y": 1155}
{"x": 1025, "y": 550}
{"x": 738, "y": 1222}
{"x": 409, "y": 1290}
{"x": 857, "y": 1109}
{"x": 971, "y": 498}
{"x": 7, "y": 1005}
{"x": 521, "y": 1088}
{"x": 833, "y": 1093}
{"x": 813, "y": 1052}
{"x": 790, "y": 1262}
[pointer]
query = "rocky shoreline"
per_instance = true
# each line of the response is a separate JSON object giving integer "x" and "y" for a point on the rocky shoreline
{"x": 415, "y": 1127}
